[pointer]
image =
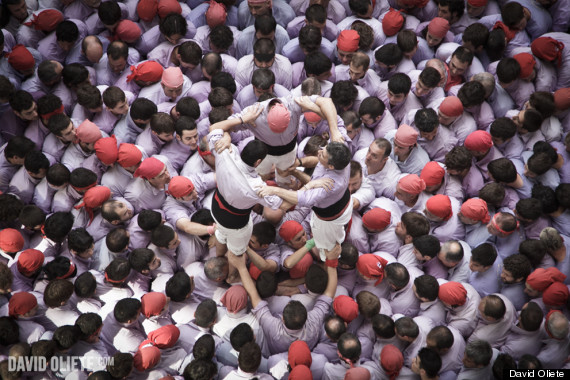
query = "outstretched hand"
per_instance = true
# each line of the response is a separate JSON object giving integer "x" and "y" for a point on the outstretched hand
{"x": 237, "y": 262}
{"x": 334, "y": 253}
{"x": 224, "y": 143}
{"x": 252, "y": 114}
{"x": 265, "y": 191}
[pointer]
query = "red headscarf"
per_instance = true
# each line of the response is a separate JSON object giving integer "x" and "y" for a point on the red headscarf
{"x": 476, "y": 209}
{"x": 180, "y": 186}
{"x": 432, "y": 173}
{"x": 127, "y": 31}
{"x": 147, "y": 9}
{"x": 412, "y": 184}
{"x": 542, "y": 278}
{"x": 346, "y": 308}
{"x": 88, "y": 132}
{"x": 165, "y": 336}
{"x": 150, "y": 168}
{"x": 301, "y": 372}
{"x": 376, "y": 219}
{"x": 30, "y": 261}
{"x": 21, "y": 303}
{"x": 165, "y": 7}
{"x": 479, "y": 141}
{"x": 406, "y": 136}
{"x": 477, "y": 3}
{"x": 391, "y": 360}
{"x": 392, "y": 22}
{"x": 235, "y": 299}
{"x": 509, "y": 34}
{"x": 527, "y": 62}
{"x": 153, "y": 303}
{"x": 370, "y": 265}
{"x": 357, "y": 373}
{"x": 548, "y": 48}
{"x": 93, "y": 198}
{"x": 348, "y": 40}
{"x": 440, "y": 206}
{"x": 106, "y": 150}
{"x": 299, "y": 354}
{"x": 453, "y": 293}
{"x": 46, "y": 20}
{"x": 216, "y": 14}
{"x": 438, "y": 27}
{"x": 556, "y": 295}
{"x": 21, "y": 59}
{"x": 11, "y": 240}
{"x": 149, "y": 71}
{"x": 129, "y": 155}
{"x": 451, "y": 106}
{"x": 146, "y": 357}
{"x": 289, "y": 229}
{"x": 562, "y": 98}
{"x": 301, "y": 268}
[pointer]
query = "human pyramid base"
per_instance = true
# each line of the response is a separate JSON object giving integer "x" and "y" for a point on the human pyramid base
{"x": 284, "y": 189}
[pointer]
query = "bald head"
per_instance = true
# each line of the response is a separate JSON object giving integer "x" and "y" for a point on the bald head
{"x": 558, "y": 326}
{"x": 92, "y": 48}
{"x": 487, "y": 80}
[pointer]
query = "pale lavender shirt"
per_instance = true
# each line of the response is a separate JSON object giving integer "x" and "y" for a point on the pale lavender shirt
{"x": 464, "y": 318}
{"x": 497, "y": 332}
{"x": 246, "y": 39}
{"x": 155, "y": 92}
{"x": 43, "y": 196}
{"x": 7, "y": 170}
{"x": 520, "y": 341}
{"x": 487, "y": 282}
{"x": 22, "y": 185}
{"x": 281, "y": 67}
{"x": 335, "y": 10}
{"x": 292, "y": 50}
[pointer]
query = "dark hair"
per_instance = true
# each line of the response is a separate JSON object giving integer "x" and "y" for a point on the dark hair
{"x": 89, "y": 96}
{"x": 430, "y": 361}
{"x": 223, "y": 80}
{"x": 430, "y": 77}
{"x": 529, "y": 208}
{"x": 539, "y": 163}
{"x": 265, "y": 24}
{"x": 407, "y": 327}
{"x": 477, "y": 34}
{"x": 162, "y": 235}
{"x": 496, "y": 44}
{"x": 79, "y": 240}
{"x": 503, "y": 128}
{"x": 109, "y": 14}
{"x": 10, "y": 207}
{"x": 143, "y": 109}
{"x": 178, "y": 287}
{"x": 397, "y": 275}
{"x": 31, "y": 216}
{"x": 368, "y": 304}
{"x": 532, "y": 120}
{"x": 264, "y": 232}
{"x": 316, "y": 279}
{"x": 122, "y": 365}
{"x": 18, "y": 146}
{"x": 372, "y": 106}
{"x": 188, "y": 106}
{"x": 249, "y": 357}
{"x": 117, "y": 240}
{"x": 339, "y": 155}
{"x": 334, "y": 327}
{"x": 21, "y": 100}
{"x": 140, "y": 259}
{"x": 74, "y": 74}
{"x": 58, "y": 268}
{"x": 442, "y": 336}
{"x": 190, "y": 52}
{"x": 512, "y": 14}
{"x": 49, "y": 103}
{"x": 484, "y": 254}
{"x": 316, "y": 63}
{"x": 529, "y": 362}
{"x": 118, "y": 49}
{"x": 458, "y": 158}
{"x": 204, "y": 348}
{"x": 531, "y": 316}
{"x": 58, "y": 225}
{"x": 294, "y": 315}
{"x": 543, "y": 102}
{"x": 349, "y": 347}
{"x": 264, "y": 50}
{"x": 148, "y": 220}
{"x": 112, "y": 96}
{"x": 240, "y": 335}
{"x": 427, "y": 287}
{"x": 494, "y": 307}
{"x": 82, "y": 177}
{"x": 85, "y": 285}
{"x": 266, "y": 284}
{"x": 9, "y": 331}
{"x": 518, "y": 265}
{"x": 126, "y": 309}
{"x": 508, "y": 70}
{"x": 399, "y": 83}
{"x": 359, "y": 7}
{"x": 471, "y": 94}
{"x": 493, "y": 193}
{"x": 67, "y": 31}
{"x": 58, "y": 175}
{"x": 35, "y": 161}
{"x": 389, "y": 54}
{"x": 118, "y": 270}
{"x": 416, "y": 224}
{"x": 65, "y": 337}
{"x": 348, "y": 255}
{"x": 534, "y": 250}
{"x": 427, "y": 245}
{"x": 161, "y": 122}
{"x": 502, "y": 365}
{"x": 503, "y": 170}
{"x": 172, "y": 24}
{"x": 426, "y": 120}
{"x": 206, "y": 313}
{"x": 343, "y": 94}
{"x": 383, "y": 326}
{"x": 407, "y": 40}
{"x": 254, "y": 150}
{"x": 57, "y": 292}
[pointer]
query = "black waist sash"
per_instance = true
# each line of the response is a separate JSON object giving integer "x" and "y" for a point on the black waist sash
{"x": 335, "y": 210}
{"x": 228, "y": 215}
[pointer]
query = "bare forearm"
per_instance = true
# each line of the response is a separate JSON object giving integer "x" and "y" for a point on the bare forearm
{"x": 226, "y": 125}
{"x": 292, "y": 260}
{"x": 329, "y": 112}
{"x": 332, "y": 282}
{"x": 260, "y": 262}
{"x": 287, "y": 195}
{"x": 191, "y": 228}
{"x": 249, "y": 286}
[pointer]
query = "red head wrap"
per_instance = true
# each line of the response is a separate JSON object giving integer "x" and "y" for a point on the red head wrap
{"x": 289, "y": 229}
{"x": 11, "y": 240}
{"x": 149, "y": 71}
{"x": 476, "y": 209}
{"x": 438, "y": 27}
{"x": 406, "y": 136}
{"x": 477, "y": 3}
{"x": 127, "y": 31}
{"x": 453, "y": 293}
{"x": 412, "y": 184}
{"x": 216, "y": 14}
{"x": 235, "y": 299}
{"x": 150, "y": 168}
{"x": 254, "y": 271}
{"x": 93, "y": 198}
{"x": 527, "y": 62}
{"x": 106, "y": 150}
{"x": 172, "y": 77}
{"x": 129, "y": 155}
{"x": 392, "y": 22}
{"x": 165, "y": 336}
{"x": 357, "y": 373}
{"x": 301, "y": 372}
{"x": 348, "y": 40}
{"x": 562, "y": 98}
{"x": 548, "y": 48}
{"x": 153, "y": 303}
{"x": 21, "y": 303}
{"x": 166, "y": 7}
{"x": 509, "y": 34}
{"x": 479, "y": 141}
{"x": 312, "y": 117}
{"x": 46, "y": 20}
{"x": 147, "y": 9}
{"x": 180, "y": 186}
{"x": 301, "y": 268}
{"x": 88, "y": 132}
{"x": 146, "y": 357}
{"x": 376, "y": 219}
{"x": 30, "y": 261}
{"x": 391, "y": 360}
{"x": 346, "y": 308}
{"x": 278, "y": 118}
{"x": 21, "y": 59}
{"x": 451, "y": 106}
{"x": 432, "y": 173}
{"x": 556, "y": 294}
{"x": 299, "y": 354}
{"x": 370, "y": 265}
{"x": 542, "y": 278}
{"x": 440, "y": 206}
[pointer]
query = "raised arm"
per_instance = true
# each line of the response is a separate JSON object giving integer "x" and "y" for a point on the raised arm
{"x": 239, "y": 263}
{"x": 248, "y": 117}
{"x": 331, "y": 264}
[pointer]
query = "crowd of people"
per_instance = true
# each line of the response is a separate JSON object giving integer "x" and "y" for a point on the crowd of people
{"x": 272, "y": 189}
